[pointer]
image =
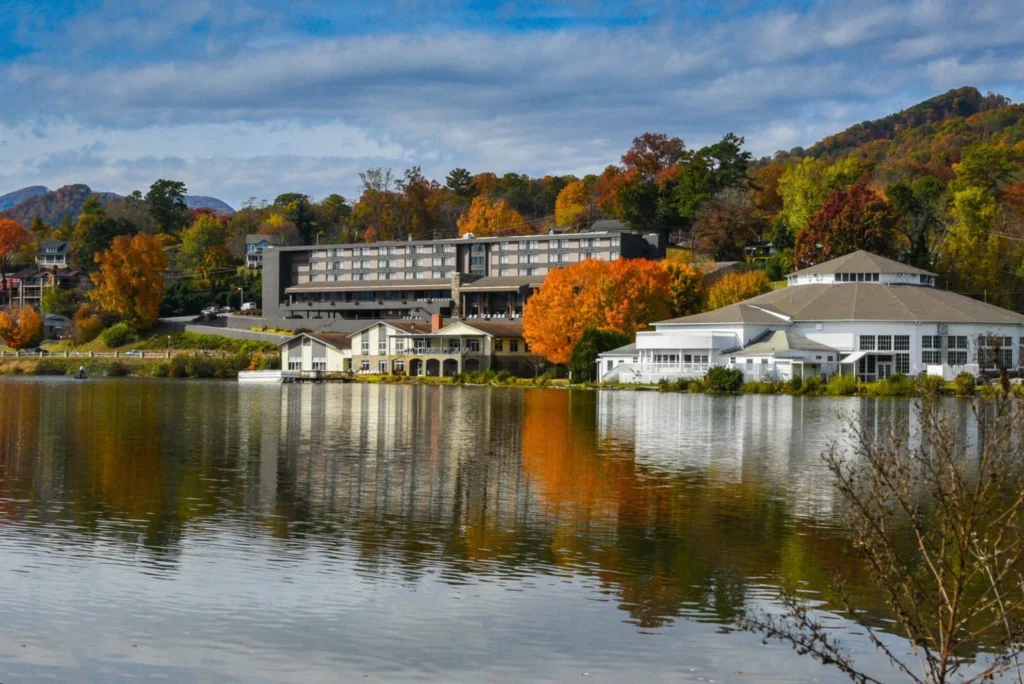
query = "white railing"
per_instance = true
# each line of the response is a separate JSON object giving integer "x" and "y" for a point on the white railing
{"x": 682, "y": 369}
{"x": 436, "y": 351}
{"x": 150, "y": 354}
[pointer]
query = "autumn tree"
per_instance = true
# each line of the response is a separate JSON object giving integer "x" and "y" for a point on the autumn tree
{"x": 853, "y": 219}
{"x": 709, "y": 171}
{"x": 572, "y": 204}
{"x": 20, "y": 327}
{"x": 687, "y": 288}
{"x": 130, "y": 279}
{"x": 166, "y": 203}
{"x": 93, "y": 233}
{"x": 203, "y": 249}
{"x": 806, "y": 186}
{"x": 12, "y": 238}
{"x": 87, "y": 324}
{"x": 625, "y": 296}
{"x": 39, "y": 231}
{"x": 726, "y": 224}
{"x": 735, "y": 287}
{"x": 60, "y": 301}
{"x": 490, "y": 218}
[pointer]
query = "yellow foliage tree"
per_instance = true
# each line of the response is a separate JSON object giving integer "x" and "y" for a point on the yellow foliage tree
{"x": 687, "y": 289}
{"x": 625, "y": 295}
{"x": 572, "y": 204}
{"x": 735, "y": 287}
{"x": 492, "y": 218}
{"x": 130, "y": 279}
{"x": 21, "y": 327}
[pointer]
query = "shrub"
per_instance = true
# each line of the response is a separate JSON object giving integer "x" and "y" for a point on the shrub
{"x": 965, "y": 384}
{"x": 894, "y": 386}
{"x": 812, "y": 385}
{"x": 118, "y": 336}
{"x": 680, "y": 385}
{"x": 722, "y": 379}
{"x": 795, "y": 384}
{"x": 930, "y": 385}
{"x": 88, "y": 325}
{"x": 117, "y": 370}
{"x": 843, "y": 386}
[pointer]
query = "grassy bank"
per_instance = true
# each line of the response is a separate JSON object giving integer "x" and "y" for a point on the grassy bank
{"x": 160, "y": 337}
{"x": 181, "y": 366}
{"x": 838, "y": 386}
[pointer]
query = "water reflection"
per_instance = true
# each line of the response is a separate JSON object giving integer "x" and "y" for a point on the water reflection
{"x": 663, "y": 510}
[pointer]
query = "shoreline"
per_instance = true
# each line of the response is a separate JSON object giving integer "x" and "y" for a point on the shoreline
{"x": 198, "y": 366}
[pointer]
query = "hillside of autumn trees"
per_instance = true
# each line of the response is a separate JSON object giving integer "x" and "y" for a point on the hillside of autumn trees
{"x": 939, "y": 185}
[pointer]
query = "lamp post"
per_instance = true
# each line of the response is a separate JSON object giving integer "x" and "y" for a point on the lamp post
{"x": 168, "y": 346}
{"x": 241, "y": 296}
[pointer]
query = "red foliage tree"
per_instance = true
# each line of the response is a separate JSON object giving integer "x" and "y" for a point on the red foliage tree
{"x": 13, "y": 237}
{"x": 852, "y": 219}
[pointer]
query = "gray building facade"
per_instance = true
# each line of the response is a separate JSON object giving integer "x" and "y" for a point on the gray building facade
{"x": 469, "y": 277}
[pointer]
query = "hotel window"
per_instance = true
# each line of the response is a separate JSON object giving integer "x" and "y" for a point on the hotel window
{"x": 615, "y": 242}
{"x": 901, "y": 342}
{"x": 294, "y": 364}
{"x": 560, "y": 258}
{"x": 382, "y": 367}
{"x": 400, "y": 366}
{"x": 510, "y": 246}
{"x": 365, "y": 347}
{"x": 503, "y": 259}
{"x": 382, "y": 346}
{"x": 499, "y": 343}
{"x": 586, "y": 242}
{"x": 365, "y": 365}
{"x": 903, "y": 364}
{"x": 320, "y": 364}
{"x": 399, "y": 344}
{"x": 931, "y": 349}
{"x": 503, "y": 272}
{"x": 533, "y": 259}
{"x": 439, "y": 274}
{"x": 867, "y": 343}
{"x": 885, "y": 343}
{"x": 360, "y": 276}
{"x": 513, "y": 345}
{"x": 473, "y": 345}
{"x": 361, "y": 251}
{"x": 527, "y": 271}
{"x": 384, "y": 251}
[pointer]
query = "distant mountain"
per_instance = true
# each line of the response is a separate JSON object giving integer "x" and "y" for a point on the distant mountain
{"x": 211, "y": 203}
{"x": 10, "y": 199}
{"x": 53, "y": 205}
{"x": 961, "y": 103}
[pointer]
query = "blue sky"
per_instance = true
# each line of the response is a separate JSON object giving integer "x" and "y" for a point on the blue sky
{"x": 251, "y": 98}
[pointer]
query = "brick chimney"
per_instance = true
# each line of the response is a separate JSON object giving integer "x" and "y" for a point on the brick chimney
{"x": 436, "y": 322}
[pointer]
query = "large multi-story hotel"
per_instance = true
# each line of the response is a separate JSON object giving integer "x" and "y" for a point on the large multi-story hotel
{"x": 466, "y": 277}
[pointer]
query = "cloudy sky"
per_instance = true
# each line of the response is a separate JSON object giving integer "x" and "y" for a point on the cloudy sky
{"x": 243, "y": 98}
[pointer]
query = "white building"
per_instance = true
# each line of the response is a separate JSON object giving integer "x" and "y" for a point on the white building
{"x": 860, "y": 314}
{"x": 326, "y": 352}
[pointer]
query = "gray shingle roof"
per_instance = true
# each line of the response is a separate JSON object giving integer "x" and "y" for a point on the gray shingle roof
{"x": 858, "y": 302}
{"x": 861, "y": 262}
{"x": 780, "y": 343}
{"x": 626, "y": 350}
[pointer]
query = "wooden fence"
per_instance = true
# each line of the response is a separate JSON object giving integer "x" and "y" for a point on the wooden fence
{"x": 126, "y": 355}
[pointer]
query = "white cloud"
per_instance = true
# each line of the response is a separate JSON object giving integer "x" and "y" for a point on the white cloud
{"x": 284, "y": 113}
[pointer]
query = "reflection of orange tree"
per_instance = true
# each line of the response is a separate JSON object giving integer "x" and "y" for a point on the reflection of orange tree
{"x": 19, "y": 444}
{"x": 661, "y": 541}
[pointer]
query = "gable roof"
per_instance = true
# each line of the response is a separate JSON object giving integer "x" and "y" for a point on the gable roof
{"x": 856, "y": 302}
{"x": 256, "y": 238}
{"x": 407, "y": 327}
{"x": 625, "y": 350}
{"x": 54, "y": 246}
{"x": 496, "y": 328}
{"x": 339, "y": 341}
{"x": 781, "y": 343}
{"x": 861, "y": 262}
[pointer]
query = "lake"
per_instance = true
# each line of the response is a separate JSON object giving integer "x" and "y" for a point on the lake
{"x": 210, "y": 531}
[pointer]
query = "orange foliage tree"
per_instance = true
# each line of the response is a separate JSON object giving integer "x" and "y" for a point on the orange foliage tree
{"x": 624, "y": 295}
{"x": 13, "y": 237}
{"x": 87, "y": 324}
{"x": 735, "y": 287}
{"x": 490, "y": 218}
{"x": 130, "y": 279}
{"x": 572, "y": 204}
{"x": 21, "y": 328}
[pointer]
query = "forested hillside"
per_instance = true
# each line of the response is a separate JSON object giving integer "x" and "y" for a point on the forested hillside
{"x": 938, "y": 185}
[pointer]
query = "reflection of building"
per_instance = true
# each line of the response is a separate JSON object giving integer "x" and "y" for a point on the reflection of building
{"x": 860, "y": 314}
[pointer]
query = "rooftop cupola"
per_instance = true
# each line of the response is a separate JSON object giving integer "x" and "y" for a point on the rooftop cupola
{"x": 861, "y": 267}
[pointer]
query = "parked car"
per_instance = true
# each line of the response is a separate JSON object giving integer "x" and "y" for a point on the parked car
{"x": 225, "y": 309}
{"x": 134, "y": 353}
{"x": 210, "y": 311}
{"x": 249, "y": 306}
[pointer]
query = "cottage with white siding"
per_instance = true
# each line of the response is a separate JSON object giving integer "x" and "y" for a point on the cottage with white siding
{"x": 860, "y": 314}
{"x": 325, "y": 352}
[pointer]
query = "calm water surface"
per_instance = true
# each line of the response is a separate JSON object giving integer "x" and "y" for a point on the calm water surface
{"x": 210, "y": 531}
